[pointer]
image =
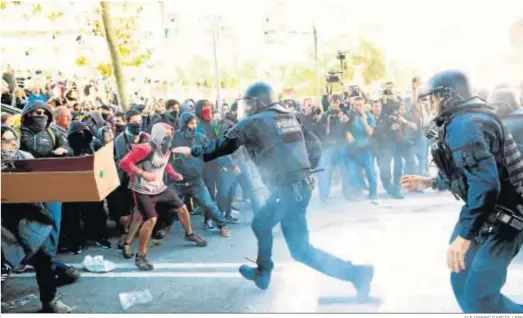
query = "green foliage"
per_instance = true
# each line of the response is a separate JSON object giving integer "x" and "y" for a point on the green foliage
{"x": 372, "y": 59}
{"x": 81, "y": 61}
{"x": 37, "y": 8}
{"x": 54, "y": 15}
{"x": 3, "y": 5}
{"x": 105, "y": 70}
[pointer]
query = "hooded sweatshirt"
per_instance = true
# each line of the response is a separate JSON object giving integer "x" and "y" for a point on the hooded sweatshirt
{"x": 191, "y": 168}
{"x": 151, "y": 157}
{"x": 36, "y": 139}
{"x": 206, "y": 127}
{"x": 80, "y": 139}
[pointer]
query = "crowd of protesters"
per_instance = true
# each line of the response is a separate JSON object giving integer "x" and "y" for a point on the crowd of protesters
{"x": 371, "y": 141}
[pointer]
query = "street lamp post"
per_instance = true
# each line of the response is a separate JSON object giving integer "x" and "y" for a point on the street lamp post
{"x": 216, "y": 67}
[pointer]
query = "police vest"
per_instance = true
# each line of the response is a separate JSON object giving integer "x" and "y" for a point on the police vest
{"x": 277, "y": 146}
{"x": 506, "y": 155}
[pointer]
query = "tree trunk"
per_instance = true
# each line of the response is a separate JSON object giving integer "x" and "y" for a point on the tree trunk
{"x": 115, "y": 55}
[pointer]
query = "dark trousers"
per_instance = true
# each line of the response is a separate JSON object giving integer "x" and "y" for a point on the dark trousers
{"x": 42, "y": 261}
{"x": 478, "y": 288}
{"x": 385, "y": 158}
{"x": 120, "y": 203}
{"x": 288, "y": 205}
{"x": 94, "y": 219}
{"x": 211, "y": 172}
{"x": 200, "y": 194}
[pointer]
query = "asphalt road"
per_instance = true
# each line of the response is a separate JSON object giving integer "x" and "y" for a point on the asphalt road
{"x": 405, "y": 240}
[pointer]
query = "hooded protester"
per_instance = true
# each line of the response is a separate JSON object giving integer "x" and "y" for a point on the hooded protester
{"x": 104, "y": 136}
{"x": 169, "y": 115}
{"x": 146, "y": 165}
{"x": 120, "y": 201}
{"x": 95, "y": 120}
{"x": 188, "y": 106}
{"x": 193, "y": 169}
{"x": 36, "y": 136}
{"x": 83, "y": 143}
{"x": 26, "y": 229}
{"x": 212, "y": 169}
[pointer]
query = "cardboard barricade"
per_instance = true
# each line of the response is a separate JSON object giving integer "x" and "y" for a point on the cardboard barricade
{"x": 71, "y": 179}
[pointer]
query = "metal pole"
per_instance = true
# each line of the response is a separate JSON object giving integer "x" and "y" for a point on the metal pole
{"x": 317, "y": 64}
{"x": 216, "y": 68}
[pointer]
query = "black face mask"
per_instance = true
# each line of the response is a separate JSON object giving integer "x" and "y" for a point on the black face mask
{"x": 174, "y": 113}
{"x": 36, "y": 123}
{"x": 119, "y": 128}
{"x": 189, "y": 133}
{"x": 166, "y": 144}
{"x": 134, "y": 129}
{"x": 79, "y": 140}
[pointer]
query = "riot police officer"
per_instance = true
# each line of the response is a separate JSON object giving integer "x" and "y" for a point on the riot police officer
{"x": 479, "y": 163}
{"x": 284, "y": 152}
{"x": 512, "y": 114}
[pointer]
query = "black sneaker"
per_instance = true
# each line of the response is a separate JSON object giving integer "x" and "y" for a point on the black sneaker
{"x": 69, "y": 276}
{"x": 105, "y": 244}
{"x": 76, "y": 250}
{"x": 6, "y": 271}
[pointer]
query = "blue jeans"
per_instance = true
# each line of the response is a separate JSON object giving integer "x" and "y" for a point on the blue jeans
{"x": 331, "y": 157}
{"x": 478, "y": 288}
{"x": 288, "y": 205}
{"x": 225, "y": 189}
{"x": 362, "y": 161}
{"x": 199, "y": 192}
{"x": 55, "y": 209}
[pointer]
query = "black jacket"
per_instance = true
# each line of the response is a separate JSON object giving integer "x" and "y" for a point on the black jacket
{"x": 191, "y": 168}
{"x": 38, "y": 143}
{"x": 80, "y": 138}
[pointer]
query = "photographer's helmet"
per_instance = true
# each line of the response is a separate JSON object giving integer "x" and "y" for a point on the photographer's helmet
{"x": 443, "y": 91}
{"x": 257, "y": 97}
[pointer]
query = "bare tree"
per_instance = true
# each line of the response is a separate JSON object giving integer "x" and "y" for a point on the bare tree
{"x": 115, "y": 55}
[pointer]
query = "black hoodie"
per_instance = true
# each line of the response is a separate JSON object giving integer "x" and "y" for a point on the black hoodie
{"x": 191, "y": 168}
{"x": 39, "y": 143}
{"x": 80, "y": 138}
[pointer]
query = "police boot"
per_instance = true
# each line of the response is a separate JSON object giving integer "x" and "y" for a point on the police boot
{"x": 261, "y": 277}
{"x": 362, "y": 278}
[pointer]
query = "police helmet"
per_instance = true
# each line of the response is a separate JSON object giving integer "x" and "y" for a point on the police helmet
{"x": 504, "y": 100}
{"x": 257, "y": 97}
{"x": 443, "y": 91}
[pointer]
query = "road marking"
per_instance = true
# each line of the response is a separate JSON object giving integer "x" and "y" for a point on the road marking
{"x": 150, "y": 274}
{"x": 130, "y": 265}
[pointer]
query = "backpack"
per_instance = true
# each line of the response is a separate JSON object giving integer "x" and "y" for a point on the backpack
{"x": 50, "y": 131}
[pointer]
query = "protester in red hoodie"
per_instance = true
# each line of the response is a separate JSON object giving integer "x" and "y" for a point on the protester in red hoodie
{"x": 146, "y": 165}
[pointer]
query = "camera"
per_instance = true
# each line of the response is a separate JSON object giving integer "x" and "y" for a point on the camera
{"x": 333, "y": 77}
{"x": 388, "y": 92}
{"x": 341, "y": 56}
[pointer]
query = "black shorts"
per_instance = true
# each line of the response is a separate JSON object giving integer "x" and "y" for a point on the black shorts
{"x": 147, "y": 203}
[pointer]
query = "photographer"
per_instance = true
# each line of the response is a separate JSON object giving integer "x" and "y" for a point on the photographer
{"x": 334, "y": 142}
{"x": 405, "y": 129}
{"x": 384, "y": 148}
{"x": 311, "y": 117}
{"x": 359, "y": 150}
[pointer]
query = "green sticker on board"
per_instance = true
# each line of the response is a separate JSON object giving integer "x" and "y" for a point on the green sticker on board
{"x": 101, "y": 173}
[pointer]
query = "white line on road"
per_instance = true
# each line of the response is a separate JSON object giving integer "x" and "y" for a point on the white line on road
{"x": 150, "y": 274}
{"x": 131, "y": 265}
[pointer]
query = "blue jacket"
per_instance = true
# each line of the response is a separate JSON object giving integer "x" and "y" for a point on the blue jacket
{"x": 485, "y": 167}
